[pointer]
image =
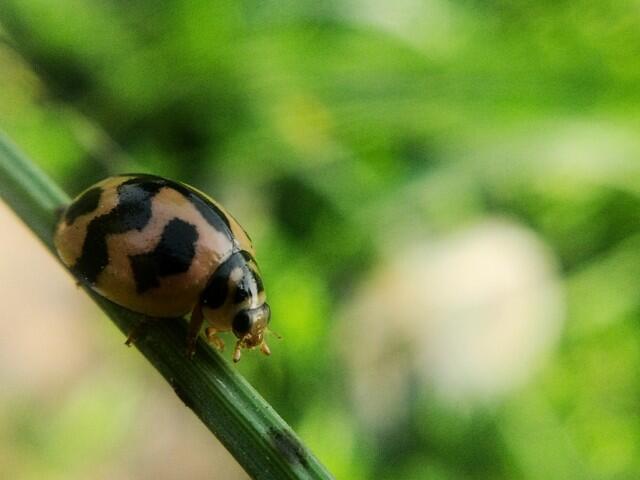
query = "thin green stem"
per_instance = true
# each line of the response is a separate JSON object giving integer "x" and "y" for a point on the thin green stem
{"x": 263, "y": 444}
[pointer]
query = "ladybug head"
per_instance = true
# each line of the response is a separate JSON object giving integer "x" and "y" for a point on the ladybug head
{"x": 249, "y": 325}
{"x": 235, "y": 299}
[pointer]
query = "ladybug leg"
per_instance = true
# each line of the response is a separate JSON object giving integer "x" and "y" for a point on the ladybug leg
{"x": 237, "y": 352}
{"x": 264, "y": 348}
{"x": 136, "y": 332}
{"x": 194, "y": 330}
{"x": 212, "y": 336}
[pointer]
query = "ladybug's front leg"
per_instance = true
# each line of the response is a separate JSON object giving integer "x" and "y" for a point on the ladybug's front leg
{"x": 214, "y": 339}
{"x": 136, "y": 331}
{"x": 194, "y": 329}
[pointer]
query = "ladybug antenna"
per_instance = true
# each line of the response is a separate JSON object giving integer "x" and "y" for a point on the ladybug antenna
{"x": 271, "y": 332}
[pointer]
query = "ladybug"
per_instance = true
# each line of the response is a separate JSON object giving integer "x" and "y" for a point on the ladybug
{"x": 165, "y": 249}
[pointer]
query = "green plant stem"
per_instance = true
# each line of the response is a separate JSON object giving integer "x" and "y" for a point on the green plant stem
{"x": 263, "y": 444}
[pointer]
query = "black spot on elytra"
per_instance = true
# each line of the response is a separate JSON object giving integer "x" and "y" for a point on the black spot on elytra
{"x": 209, "y": 210}
{"x": 173, "y": 254}
{"x": 86, "y": 203}
{"x": 289, "y": 446}
{"x": 133, "y": 211}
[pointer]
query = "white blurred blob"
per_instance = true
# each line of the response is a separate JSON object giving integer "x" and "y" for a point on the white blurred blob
{"x": 589, "y": 150}
{"x": 565, "y": 153}
{"x": 468, "y": 317}
{"x": 430, "y": 25}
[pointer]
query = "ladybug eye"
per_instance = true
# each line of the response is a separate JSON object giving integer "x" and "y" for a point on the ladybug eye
{"x": 242, "y": 323}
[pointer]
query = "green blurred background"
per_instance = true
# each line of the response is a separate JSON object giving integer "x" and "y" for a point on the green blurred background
{"x": 445, "y": 200}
